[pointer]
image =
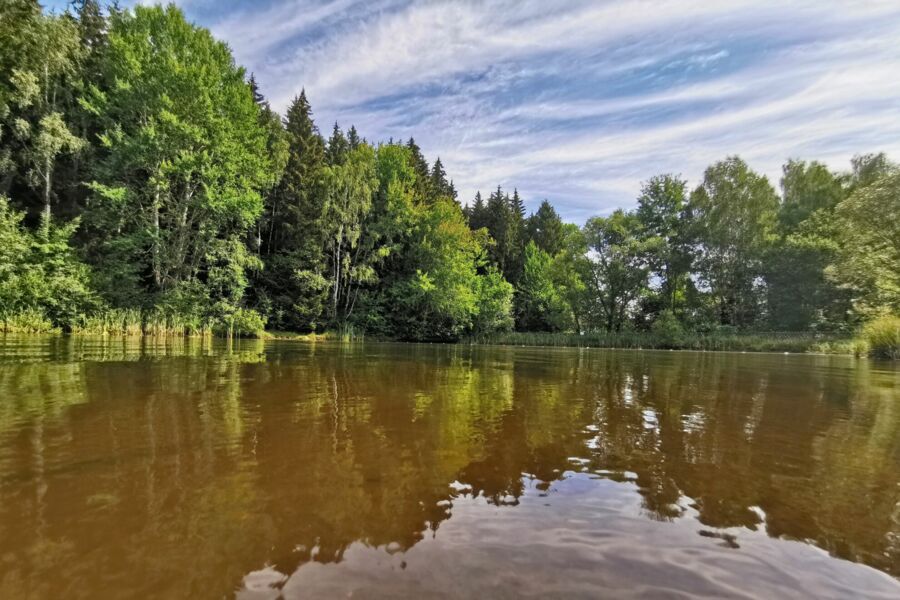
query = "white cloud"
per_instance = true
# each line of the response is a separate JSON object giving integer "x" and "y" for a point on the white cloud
{"x": 579, "y": 100}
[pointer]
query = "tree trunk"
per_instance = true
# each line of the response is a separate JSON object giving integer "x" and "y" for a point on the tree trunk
{"x": 157, "y": 272}
{"x": 47, "y": 183}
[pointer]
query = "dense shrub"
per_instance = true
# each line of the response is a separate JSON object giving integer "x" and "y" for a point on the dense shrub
{"x": 883, "y": 337}
{"x": 667, "y": 330}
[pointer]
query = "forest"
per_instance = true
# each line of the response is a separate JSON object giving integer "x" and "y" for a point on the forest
{"x": 147, "y": 187}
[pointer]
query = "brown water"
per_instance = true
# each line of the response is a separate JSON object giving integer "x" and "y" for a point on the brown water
{"x": 202, "y": 470}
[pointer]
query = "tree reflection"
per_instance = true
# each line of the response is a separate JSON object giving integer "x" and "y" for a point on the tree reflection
{"x": 192, "y": 465}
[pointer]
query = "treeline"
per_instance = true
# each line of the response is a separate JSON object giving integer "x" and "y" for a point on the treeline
{"x": 147, "y": 186}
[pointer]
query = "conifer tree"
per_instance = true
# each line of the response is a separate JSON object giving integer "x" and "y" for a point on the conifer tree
{"x": 338, "y": 147}
{"x": 353, "y": 138}
{"x": 477, "y": 213}
{"x": 440, "y": 187}
{"x": 545, "y": 229}
{"x": 518, "y": 205}
{"x": 420, "y": 166}
{"x": 254, "y": 89}
{"x": 293, "y": 287}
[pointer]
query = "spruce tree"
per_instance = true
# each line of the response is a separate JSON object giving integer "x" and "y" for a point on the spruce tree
{"x": 254, "y": 89}
{"x": 440, "y": 187}
{"x": 420, "y": 166}
{"x": 338, "y": 147}
{"x": 477, "y": 213}
{"x": 518, "y": 205}
{"x": 545, "y": 229}
{"x": 353, "y": 138}
{"x": 293, "y": 289}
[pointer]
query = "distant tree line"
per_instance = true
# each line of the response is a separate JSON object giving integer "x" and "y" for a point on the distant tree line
{"x": 144, "y": 178}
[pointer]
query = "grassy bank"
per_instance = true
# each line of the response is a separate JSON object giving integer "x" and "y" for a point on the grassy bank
{"x": 137, "y": 323}
{"x": 746, "y": 342}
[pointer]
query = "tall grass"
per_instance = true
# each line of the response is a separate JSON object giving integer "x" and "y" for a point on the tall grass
{"x": 157, "y": 323}
{"x": 746, "y": 342}
{"x": 883, "y": 337}
{"x": 124, "y": 321}
{"x": 30, "y": 320}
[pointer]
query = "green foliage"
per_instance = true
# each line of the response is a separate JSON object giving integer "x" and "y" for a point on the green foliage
{"x": 29, "y": 320}
{"x": 242, "y": 323}
{"x": 665, "y": 230}
{"x": 439, "y": 297}
{"x": 713, "y": 341}
{"x": 203, "y": 212}
{"x": 348, "y": 188}
{"x": 293, "y": 287}
{"x": 183, "y": 162}
{"x": 41, "y": 55}
{"x": 868, "y": 251}
{"x": 41, "y": 279}
{"x": 882, "y": 336}
{"x": 618, "y": 271}
{"x": 495, "y": 304}
{"x": 735, "y": 211}
{"x": 540, "y": 303}
{"x": 545, "y": 229}
{"x": 668, "y": 330}
{"x": 798, "y": 294}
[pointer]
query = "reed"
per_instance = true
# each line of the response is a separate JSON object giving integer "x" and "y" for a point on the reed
{"x": 30, "y": 320}
{"x": 714, "y": 341}
{"x": 882, "y": 336}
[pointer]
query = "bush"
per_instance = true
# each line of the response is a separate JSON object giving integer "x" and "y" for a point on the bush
{"x": 243, "y": 323}
{"x": 883, "y": 337}
{"x": 667, "y": 330}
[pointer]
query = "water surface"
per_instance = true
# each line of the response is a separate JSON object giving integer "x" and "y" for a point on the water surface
{"x": 134, "y": 468}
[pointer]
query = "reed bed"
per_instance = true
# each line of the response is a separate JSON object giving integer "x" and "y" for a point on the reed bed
{"x": 743, "y": 342}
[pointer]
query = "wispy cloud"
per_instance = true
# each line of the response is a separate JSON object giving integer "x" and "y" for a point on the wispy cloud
{"x": 579, "y": 100}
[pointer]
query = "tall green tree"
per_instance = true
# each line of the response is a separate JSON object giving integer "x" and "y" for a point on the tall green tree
{"x": 338, "y": 147}
{"x": 183, "y": 161}
{"x": 866, "y": 169}
{"x": 420, "y": 166}
{"x": 347, "y": 190}
{"x": 292, "y": 287}
{"x": 504, "y": 226}
{"x": 798, "y": 295}
{"x": 545, "y": 229}
{"x": 438, "y": 185}
{"x": 539, "y": 304}
{"x": 37, "y": 96}
{"x": 476, "y": 215}
{"x": 665, "y": 224}
{"x": 571, "y": 269}
{"x": 441, "y": 294}
{"x": 868, "y": 249}
{"x": 353, "y": 138}
{"x": 735, "y": 211}
{"x": 619, "y": 269}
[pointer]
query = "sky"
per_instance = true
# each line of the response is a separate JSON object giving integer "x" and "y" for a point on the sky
{"x": 578, "y": 101}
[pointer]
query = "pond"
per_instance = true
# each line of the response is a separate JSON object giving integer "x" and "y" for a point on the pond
{"x": 198, "y": 468}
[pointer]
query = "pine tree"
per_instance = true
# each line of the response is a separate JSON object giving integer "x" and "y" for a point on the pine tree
{"x": 254, "y": 89}
{"x": 477, "y": 213}
{"x": 420, "y": 166}
{"x": 338, "y": 146}
{"x": 293, "y": 289}
{"x": 439, "y": 187}
{"x": 518, "y": 205}
{"x": 545, "y": 229}
{"x": 353, "y": 138}
{"x": 500, "y": 224}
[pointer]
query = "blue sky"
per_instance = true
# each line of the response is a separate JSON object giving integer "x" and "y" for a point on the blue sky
{"x": 580, "y": 101}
